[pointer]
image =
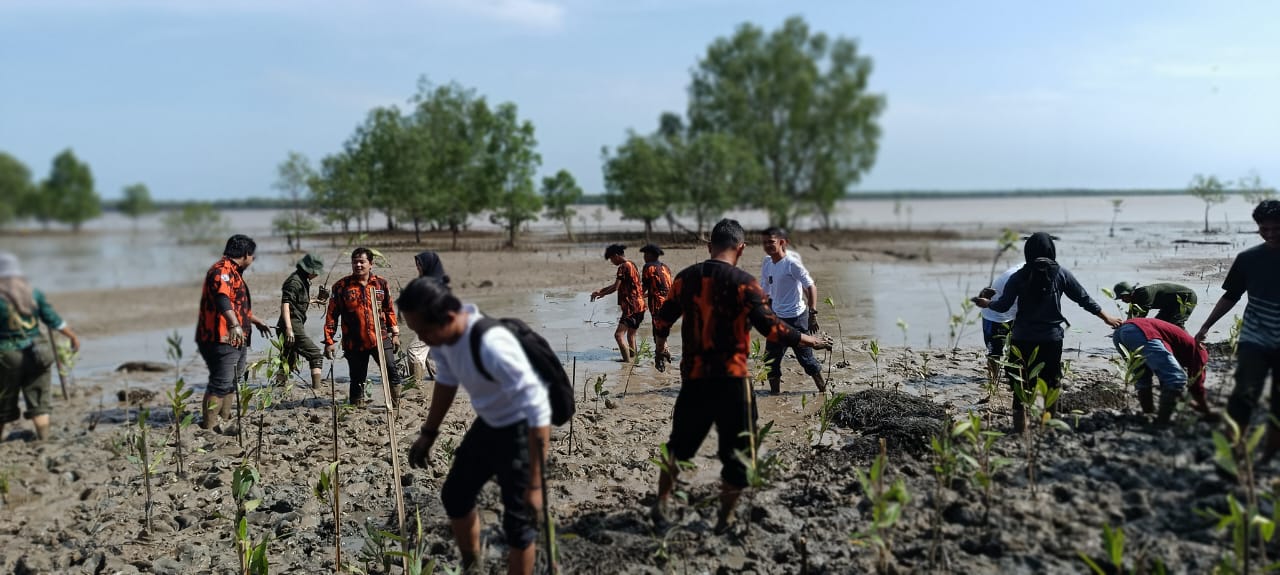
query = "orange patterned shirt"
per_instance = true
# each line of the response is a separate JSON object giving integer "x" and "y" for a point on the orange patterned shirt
{"x": 630, "y": 292}
{"x": 223, "y": 278}
{"x": 720, "y": 304}
{"x": 657, "y": 284}
{"x": 349, "y": 302}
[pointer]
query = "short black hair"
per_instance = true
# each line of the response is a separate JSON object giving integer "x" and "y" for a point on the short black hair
{"x": 614, "y": 249}
{"x": 727, "y": 234}
{"x": 777, "y": 232}
{"x": 1267, "y": 211}
{"x": 428, "y": 297}
{"x": 239, "y": 246}
{"x": 366, "y": 252}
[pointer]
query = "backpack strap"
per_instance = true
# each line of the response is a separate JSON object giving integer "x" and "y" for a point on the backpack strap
{"x": 477, "y": 332}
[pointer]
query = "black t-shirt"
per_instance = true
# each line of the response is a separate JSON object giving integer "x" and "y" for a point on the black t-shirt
{"x": 1256, "y": 271}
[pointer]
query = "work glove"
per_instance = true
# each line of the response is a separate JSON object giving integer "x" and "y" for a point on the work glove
{"x": 813, "y": 320}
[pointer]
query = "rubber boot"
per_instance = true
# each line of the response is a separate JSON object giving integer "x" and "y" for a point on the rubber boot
{"x": 1019, "y": 416}
{"x": 42, "y": 426}
{"x": 209, "y": 412}
{"x": 822, "y": 385}
{"x": 316, "y": 379}
{"x": 395, "y": 396}
{"x": 1147, "y": 399}
{"x": 775, "y": 385}
{"x": 357, "y": 394}
{"x": 1168, "y": 402}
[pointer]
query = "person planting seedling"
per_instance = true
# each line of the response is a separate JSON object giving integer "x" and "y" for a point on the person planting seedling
{"x": 1255, "y": 271}
{"x": 1175, "y": 302}
{"x": 507, "y": 441}
{"x": 1170, "y": 354}
{"x": 351, "y": 304}
{"x": 720, "y": 304}
{"x": 295, "y": 298}
{"x": 1037, "y": 289}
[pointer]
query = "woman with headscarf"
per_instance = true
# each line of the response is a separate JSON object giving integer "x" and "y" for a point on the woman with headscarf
{"x": 24, "y": 356}
{"x": 1038, "y": 330}
{"x": 430, "y": 266}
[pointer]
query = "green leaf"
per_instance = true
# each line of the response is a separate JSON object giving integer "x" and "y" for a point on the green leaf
{"x": 251, "y": 505}
{"x": 1092, "y": 565}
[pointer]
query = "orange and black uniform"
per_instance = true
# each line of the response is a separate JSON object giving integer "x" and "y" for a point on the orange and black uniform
{"x": 656, "y": 278}
{"x": 630, "y": 295}
{"x": 720, "y": 304}
{"x": 224, "y": 289}
{"x": 350, "y": 303}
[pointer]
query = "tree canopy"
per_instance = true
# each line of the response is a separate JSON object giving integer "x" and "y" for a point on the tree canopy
{"x": 68, "y": 194}
{"x": 559, "y": 193}
{"x": 137, "y": 201}
{"x": 15, "y": 188}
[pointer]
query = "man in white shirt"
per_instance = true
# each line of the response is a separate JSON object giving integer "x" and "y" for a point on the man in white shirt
{"x": 792, "y": 295}
{"x": 508, "y": 438}
{"x": 997, "y": 325}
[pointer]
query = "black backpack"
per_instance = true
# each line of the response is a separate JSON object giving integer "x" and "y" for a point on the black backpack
{"x": 544, "y": 360}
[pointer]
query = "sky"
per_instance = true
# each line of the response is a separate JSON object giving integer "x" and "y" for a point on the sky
{"x": 202, "y": 99}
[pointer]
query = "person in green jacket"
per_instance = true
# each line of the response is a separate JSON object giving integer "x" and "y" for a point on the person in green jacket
{"x": 25, "y": 357}
{"x": 1175, "y": 302}
{"x": 295, "y": 298}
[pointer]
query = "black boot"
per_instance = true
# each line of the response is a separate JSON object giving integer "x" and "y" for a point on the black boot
{"x": 1147, "y": 399}
{"x": 1168, "y": 402}
{"x": 357, "y": 394}
{"x": 1019, "y": 416}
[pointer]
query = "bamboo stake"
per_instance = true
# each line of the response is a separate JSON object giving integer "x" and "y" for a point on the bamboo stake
{"x": 391, "y": 423}
{"x": 337, "y": 487}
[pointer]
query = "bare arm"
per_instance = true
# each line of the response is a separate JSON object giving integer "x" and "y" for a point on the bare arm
{"x": 441, "y": 400}
{"x": 811, "y": 296}
{"x": 288, "y": 325}
{"x": 604, "y": 291}
{"x": 1223, "y": 306}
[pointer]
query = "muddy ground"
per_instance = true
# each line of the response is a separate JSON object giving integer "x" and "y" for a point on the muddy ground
{"x": 75, "y": 504}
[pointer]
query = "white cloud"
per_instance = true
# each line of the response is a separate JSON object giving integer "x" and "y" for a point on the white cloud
{"x": 535, "y": 14}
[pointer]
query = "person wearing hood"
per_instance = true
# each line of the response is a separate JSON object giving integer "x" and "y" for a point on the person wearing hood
{"x": 295, "y": 298}
{"x": 429, "y": 266}
{"x": 1037, "y": 289}
{"x": 25, "y": 357}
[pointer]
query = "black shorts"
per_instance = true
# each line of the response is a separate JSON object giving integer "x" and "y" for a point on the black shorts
{"x": 721, "y": 401}
{"x": 632, "y": 321}
{"x": 226, "y": 366}
{"x": 486, "y": 452}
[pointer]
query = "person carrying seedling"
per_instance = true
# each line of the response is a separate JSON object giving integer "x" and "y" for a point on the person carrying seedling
{"x": 791, "y": 293}
{"x": 25, "y": 357}
{"x": 1037, "y": 334}
{"x": 630, "y": 299}
{"x": 351, "y": 303}
{"x": 1175, "y": 302}
{"x": 1170, "y": 354}
{"x": 996, "y": 326}
{"x": 656, "y": 277}
{"x": 295, "y": 298}
{"x": 720, "y": 304}
{"x": 225, "y": 308}
{"x": 507, "y": 441}
{"x": 1255, "y": 271}
{"x": 429, "y": 266}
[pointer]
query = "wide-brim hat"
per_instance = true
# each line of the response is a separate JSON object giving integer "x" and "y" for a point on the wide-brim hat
{"x": 311, "y": 264}
{"x": 9, "y": 267}
{"x": 651, "y": 249}
{"x": 1122, "y": 289}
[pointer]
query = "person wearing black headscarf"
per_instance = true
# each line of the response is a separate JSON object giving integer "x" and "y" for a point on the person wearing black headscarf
{"x": 429, "y": 265}
{"x": 1038, "y": 328}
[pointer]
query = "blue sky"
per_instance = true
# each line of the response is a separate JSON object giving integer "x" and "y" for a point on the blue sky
{"x": 203, "y": 98}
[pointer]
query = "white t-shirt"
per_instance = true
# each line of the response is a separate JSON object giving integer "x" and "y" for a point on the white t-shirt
{"x": 784, "y": 282}
{"x": 998, "y": 285}
{"x": 516, "y": 392}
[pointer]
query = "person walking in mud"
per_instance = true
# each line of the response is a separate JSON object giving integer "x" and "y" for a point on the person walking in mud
{"x": 1037, "y": 334}
{"x": 996, "y": 325}
{"x": 25, "y": 357}
{"x": 630, "y": 299}
{"x": 295, "y": 299}
{"x": 656, "y": 278}
{"x": 509, "y": 437}
{"x": 1170, "y": 354}
{"x": 429, "y": 266}
{"x": 225, "y": 308}
{"x": 720, "y": 304}
{"x": 1256, "y": 272}
{"x": 1175, "y": 302}
{"x": 791, "y": 293}
{"x": 351, "y": 303}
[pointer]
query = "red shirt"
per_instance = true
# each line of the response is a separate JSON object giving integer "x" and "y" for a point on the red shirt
{"x": 223, "y": 278}
{"x": 720, "y": 304}
{"x": 657, "y": 284}
{"x": 1192, "y": 356}
{"x": 349, "y": 302}
{"x": 630, "y": 293}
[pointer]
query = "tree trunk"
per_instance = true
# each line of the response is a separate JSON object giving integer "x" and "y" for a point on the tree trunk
{"x": 512, "y": 229}
{"x": 417, "y": 229}
{"x": 454, "y": 228}
{"x": 391, "y": 223}
{"x": 1206, "y": 217}
{"x": 568, "y": 228}
{"x": 648, "y": 229}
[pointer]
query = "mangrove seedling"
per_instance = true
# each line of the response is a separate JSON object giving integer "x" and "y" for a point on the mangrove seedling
{"x": 1234, "y": 454}
{"x": 141, "y": 457}
{"x": 1116, "y": 204}
{"x": 887, "y": 502}
{"x": 1113, "y": 544}
{"x": 1007, "y": 240}
{"x": 824, "y": 415}
{"x": 327, "y": 490}
{"x": 253, "y": 556}
{"x": 873, "y": 350}
{"x": 178, "y": 397}
{"x": 598, "y": 387}
{"x": 904, "y": 326}
{"x": 644, "y": 351}
{"x": 417, "y": 555}
{"x": 1042, "y": 420}
{"x": 377, "y": 549}
{"x": 979, "y": 458}
{"x": 946, "y": 464}
{"x": 839, "y": 329}
{"x": 669, "y": 466}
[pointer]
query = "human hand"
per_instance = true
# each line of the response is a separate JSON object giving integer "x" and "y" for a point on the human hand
{"x": 420, "y": 453}
{"x": 981, "y": 302}
{"x": 328, "y": 351}
{"x": 813, "y": 320}
{"x": 395, "y": 342}
{"x": 987, "y": 293}
{"x": 75, "y": 341}
{"x": 1113, "y": 322}
{"x": 1201, "y": 335}
{"x": 817, "y": 343}
{"x": 288, "y": 336}
{"x": 262, "y": 326}
{"x": 235, "y": 336}
{"x": 595, "y": 296}
{"x": 533, "y": 497}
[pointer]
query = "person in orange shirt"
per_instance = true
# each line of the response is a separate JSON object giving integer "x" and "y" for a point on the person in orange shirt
{"x": 656, "y": 278}
{"x": 351, "y": 303}
{"x": 630, "y": 299}
{"x": 225, "y": 307}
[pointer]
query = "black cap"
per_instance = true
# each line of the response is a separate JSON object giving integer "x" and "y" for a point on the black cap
{"x": 651, "y": 248}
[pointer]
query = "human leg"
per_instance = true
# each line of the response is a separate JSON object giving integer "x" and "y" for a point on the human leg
{"x": 224, "y": 362}
{"x": 467, "y": 476}
{"x": 805, "y": 355}
{"x": 734, "y": 414}
{"x": 358, "y": 368}
{"x": 35, "y": 387}
{"x": 620, "y": 337}
{"x": 519, "y": 519}
{"x": 1252, "y": 365}
{"x": 690, "y": 421}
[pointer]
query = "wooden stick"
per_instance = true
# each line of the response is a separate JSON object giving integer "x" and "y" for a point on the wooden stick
{"x": 337, "y": 487}
{"x": 57, "y": 359}
{"x": 391, "y": 423}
